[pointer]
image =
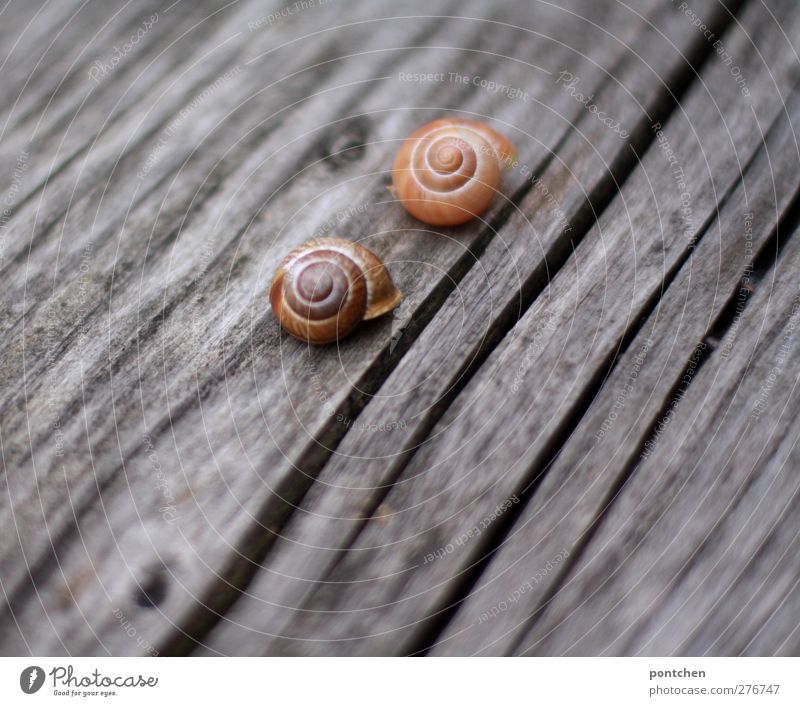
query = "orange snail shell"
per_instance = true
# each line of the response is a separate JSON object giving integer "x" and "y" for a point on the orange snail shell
{"x": 323, "y": 289}
{"x": 448, "y": 171}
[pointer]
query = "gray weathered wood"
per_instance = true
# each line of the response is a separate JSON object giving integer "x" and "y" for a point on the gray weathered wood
{"x": 354, "y": 480}
{"x": 197, "y": 257}
{"x": 169, "y": 458}
{"x": 704, "y": 530}
{"x": 93, "y": 223}
{"x": 611, "y": 435}
{"x": 298, "y": 561}
{"x": 234, "y": 518}
{"x": 489, "y": 439}
{"x": 57, "y": 122}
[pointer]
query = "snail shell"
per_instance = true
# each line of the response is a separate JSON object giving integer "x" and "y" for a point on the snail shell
{"x": 323, "y": 289}
{"x": 448, "y": 171}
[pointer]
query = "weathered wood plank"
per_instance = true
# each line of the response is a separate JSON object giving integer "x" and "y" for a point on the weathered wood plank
{"x": 221, "y": 155}
{"x": 69, "y": 301}
{"x": 192, "y": 369}
{"x": 357, "y": 476}
{"x": 197, "y": 350}
{"x": 686, "y": 559}
{"x": 155, "y": 138}
{"x": 353, "y": 478}
{"x": 610, "y": 437}
{"x": 87, "y": 94}
{"x": 377, "y": 597}
{"x": 40, "y": 38}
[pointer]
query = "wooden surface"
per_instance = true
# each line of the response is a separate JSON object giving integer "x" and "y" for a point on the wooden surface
{"x": 576, "y": 435}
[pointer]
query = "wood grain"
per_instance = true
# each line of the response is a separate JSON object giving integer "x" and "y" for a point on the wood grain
{"x": 606, "y": 446}
{"x": 172, "y": 459}
{"x": 130, "y": 261}
{"x": 67, "y": 99}
{"x": 413, "y": 392}
{"x": 709, "y": 515}
{"x": 376, "y": 598}
{"x": 131, "y": 362}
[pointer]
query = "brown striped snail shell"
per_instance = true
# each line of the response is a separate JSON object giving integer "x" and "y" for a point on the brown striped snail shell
{"x": 448, "y": 171}
{"x": 323, "y": 289}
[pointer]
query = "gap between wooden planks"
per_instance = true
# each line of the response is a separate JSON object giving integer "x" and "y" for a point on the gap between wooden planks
{"x": 295, "y": 562}
{"x": 357, "y": 610}
{"x": 139, "y": 251}
{"x": 83, "y": 302}
{"x": 70, "y": 582}
{"x": 698, "y": 314}
{"x": 695, "y": 555}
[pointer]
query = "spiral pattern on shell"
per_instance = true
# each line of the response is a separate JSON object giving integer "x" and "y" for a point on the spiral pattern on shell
{"x": 448, "y": 171}
{"x": 323, "y": 289}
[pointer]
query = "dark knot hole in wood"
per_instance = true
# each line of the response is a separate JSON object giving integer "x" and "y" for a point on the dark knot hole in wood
{"x": 343, "y": 144}
{"x": 153, "y": 590}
